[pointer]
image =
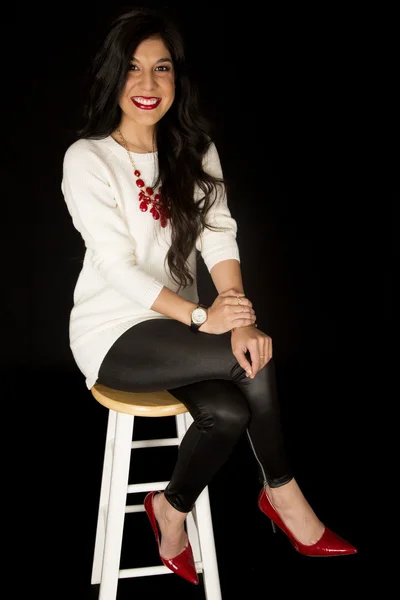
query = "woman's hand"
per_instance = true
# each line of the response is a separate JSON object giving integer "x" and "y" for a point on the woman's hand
{"x": 257, "y": 343}
{"x": 230, "y": 309}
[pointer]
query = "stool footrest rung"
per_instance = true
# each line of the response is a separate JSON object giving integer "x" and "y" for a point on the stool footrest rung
{"x": 174, "y": 441}
{"x": 134, "y": 488}
{"x": 134, "y": 508}
{"x": 148, "y": 571}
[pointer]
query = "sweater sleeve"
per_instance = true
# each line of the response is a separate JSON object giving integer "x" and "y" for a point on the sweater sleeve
{"x": 97, "y": 217}
{"x": 216, "y": 246}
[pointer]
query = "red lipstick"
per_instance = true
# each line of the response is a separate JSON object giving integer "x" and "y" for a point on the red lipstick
{"x": 151, "y": 103}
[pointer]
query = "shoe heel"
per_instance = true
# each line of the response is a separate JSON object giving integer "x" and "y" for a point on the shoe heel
{"x": 274, "y": 527}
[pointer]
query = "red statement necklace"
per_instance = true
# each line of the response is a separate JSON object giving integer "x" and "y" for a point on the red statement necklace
{"x": 148, "y": 198}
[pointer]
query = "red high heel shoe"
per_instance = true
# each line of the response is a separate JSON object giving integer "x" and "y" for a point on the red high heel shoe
{"x": 329, "y": 544}
{"x": 183, "y": 564}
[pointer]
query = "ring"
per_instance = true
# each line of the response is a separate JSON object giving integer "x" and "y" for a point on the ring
{"x": 239, "y": 301}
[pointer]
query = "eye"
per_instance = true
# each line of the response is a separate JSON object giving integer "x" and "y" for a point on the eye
{"x": 163, "y": 68}
{"x": 133, "y": 67}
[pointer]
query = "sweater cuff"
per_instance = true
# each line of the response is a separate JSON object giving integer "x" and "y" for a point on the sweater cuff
{"x": 212, "y": 258}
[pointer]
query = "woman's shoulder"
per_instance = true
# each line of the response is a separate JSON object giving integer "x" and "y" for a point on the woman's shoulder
{"x": 88, "y": 155}
{"x": 87, "y": 149}
{"x": 211, "y": 157}
{"x": 211, "y": 150}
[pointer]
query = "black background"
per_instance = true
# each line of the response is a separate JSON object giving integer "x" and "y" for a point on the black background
{"x": 303, "y": 101}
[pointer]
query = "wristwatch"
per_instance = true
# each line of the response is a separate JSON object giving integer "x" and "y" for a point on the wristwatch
{"x": 198, "y": 317}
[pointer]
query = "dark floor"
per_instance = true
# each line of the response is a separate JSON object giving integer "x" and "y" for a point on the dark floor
{"x": 253, "y": 561}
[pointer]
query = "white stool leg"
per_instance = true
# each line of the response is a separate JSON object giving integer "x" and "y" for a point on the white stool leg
{"x": 207, "y": 544}
{"x": 116, "y": 506}
{"x": 104, "y": 499}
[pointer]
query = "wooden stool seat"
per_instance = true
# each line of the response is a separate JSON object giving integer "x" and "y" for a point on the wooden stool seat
{"x": 149, "y": 404}
{"x": 123, "y": 409}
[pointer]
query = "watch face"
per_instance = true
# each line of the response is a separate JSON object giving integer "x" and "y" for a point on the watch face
{"x": 199, "y": 316}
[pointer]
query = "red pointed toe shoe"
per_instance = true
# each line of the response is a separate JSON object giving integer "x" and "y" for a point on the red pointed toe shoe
{"x": 183, "y": 564}
{"x": 329, "y": 543}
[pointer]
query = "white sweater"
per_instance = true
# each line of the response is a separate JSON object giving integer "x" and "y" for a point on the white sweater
{"x": 123, "y": 269}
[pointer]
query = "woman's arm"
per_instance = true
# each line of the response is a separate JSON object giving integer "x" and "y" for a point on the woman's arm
{"x": 227, "y": 275}
{"x": 223, "y": 314}
{"x": 172, "y": 305}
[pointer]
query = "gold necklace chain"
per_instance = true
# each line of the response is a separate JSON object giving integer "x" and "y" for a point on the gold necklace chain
{"x": 126, "y": 148}
{"x": 126, "y": 145}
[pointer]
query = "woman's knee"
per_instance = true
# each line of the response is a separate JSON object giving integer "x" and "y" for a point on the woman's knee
{"x": 228, "y": 419}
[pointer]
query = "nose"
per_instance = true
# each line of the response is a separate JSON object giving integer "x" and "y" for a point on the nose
{"x": 147, "y": 80}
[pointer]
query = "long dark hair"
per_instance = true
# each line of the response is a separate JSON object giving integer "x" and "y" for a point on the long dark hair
{"x": 183, "y": 135}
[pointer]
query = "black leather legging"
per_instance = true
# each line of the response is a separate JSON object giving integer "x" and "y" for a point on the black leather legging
{"x": 201, "y": 371}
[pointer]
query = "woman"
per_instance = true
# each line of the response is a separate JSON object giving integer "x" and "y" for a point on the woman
{"x": 144, "y": 187}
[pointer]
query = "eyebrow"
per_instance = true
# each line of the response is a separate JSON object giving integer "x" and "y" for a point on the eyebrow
{"x": 159, "y": 60}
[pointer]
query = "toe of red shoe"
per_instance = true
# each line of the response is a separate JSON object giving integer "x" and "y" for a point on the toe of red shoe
{"x": 333, "y": 544}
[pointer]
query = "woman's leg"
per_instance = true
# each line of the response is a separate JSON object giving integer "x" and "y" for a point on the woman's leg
{"x": 220, "y": 415}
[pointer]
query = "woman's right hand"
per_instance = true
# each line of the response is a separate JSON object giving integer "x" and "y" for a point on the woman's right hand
{"x": 230, "y": 309}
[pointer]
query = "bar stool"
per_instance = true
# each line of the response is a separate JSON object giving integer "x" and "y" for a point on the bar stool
{"x": 123, "y": 408}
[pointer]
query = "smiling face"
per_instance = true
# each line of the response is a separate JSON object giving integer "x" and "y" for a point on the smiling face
{"x": 149, "y": 89}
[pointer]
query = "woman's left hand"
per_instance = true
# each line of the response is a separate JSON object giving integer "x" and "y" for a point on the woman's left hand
{"x": 258, "y": 344}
